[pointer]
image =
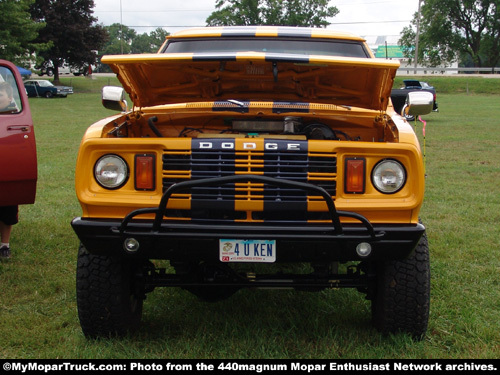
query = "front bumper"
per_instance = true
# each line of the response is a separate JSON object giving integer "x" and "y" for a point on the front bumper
{"x": 301, "y": 242}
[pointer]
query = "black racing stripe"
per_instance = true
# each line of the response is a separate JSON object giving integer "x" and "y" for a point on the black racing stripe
{"x": 286, "y": 107}
{"x": 285, "y": 159}
{"x": 289, "y": 58}
{"x": 230, "y": 56}
{"x": 212, "y": 158}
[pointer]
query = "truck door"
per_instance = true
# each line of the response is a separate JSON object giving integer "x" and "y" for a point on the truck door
{"x": 18, "y": 163}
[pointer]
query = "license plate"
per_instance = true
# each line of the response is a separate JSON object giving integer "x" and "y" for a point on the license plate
{"x": 257, "y": 251}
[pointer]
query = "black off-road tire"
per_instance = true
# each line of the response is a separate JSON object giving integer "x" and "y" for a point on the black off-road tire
{"x": 108, "y": 299}
{"x": 402, "y": 297}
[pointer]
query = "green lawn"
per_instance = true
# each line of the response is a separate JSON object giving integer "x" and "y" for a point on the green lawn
{"x": 38, "y": 315}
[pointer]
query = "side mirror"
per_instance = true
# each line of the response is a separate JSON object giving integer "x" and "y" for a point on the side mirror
{"x": 114, "y": 98}
{"x": 419, "y": 103}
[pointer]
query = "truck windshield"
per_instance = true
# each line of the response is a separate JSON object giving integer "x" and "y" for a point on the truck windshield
{"x": 301, "y": 46}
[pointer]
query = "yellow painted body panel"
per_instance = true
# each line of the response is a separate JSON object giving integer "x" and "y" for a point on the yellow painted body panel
{"x": 262, "y": 31}
{"x": 178, "y": 78}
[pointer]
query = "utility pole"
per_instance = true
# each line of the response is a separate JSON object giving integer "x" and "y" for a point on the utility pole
{"x": 121, "y": 28}
{"x": 416, "y": 38}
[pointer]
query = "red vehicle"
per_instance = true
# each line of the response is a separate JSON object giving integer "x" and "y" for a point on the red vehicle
{"x": 18, "y": 163}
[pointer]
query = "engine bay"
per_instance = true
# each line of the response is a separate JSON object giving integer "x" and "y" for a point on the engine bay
{"x": 364, "y": 128}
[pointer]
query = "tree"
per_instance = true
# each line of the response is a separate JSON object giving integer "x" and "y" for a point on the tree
{"x": 148, "y": 43}
{"x": 310, "y": 13}
{"x": 119, "y": 41}
{"x": 453, "y": 28}
{"x": 124, "y": 40}
{"x": 72, "y": 29}
{"x": 490, "y": 48}
{"x": 18, "y": 31}
{"x": 158, "y": 38}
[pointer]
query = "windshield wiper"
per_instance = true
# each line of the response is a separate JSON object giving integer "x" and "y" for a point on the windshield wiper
{"x": 237, "y": 106}
{"x": 236, "y": 102}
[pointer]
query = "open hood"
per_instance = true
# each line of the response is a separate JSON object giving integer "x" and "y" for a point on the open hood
{"x": 156, "y": 79}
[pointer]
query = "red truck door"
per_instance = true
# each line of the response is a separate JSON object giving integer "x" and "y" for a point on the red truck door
{"x": 18, "y": 163}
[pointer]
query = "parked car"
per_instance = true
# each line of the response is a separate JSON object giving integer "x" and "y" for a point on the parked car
{"x": 399, "y": 96}
{"x": 47, "y": 67}
{"x": 44, "y": 88}
{"x": 18, "y": 163}
{"x": 83, "y": 70}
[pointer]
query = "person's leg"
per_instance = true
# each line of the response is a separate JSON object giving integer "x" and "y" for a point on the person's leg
{"x": 8, "y": 217}
{"x": 5, "y": 231}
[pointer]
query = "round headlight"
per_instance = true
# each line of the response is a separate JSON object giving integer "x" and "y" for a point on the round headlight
{"x": 111, "y": 171}
{"x": 388, "y": 176}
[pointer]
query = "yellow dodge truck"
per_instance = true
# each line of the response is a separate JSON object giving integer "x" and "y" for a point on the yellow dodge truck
{"x": 249, "y": 152}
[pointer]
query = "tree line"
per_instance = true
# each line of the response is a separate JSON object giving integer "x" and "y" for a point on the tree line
{"x": 66, "y": 30}
{"x": 467, "y": 31}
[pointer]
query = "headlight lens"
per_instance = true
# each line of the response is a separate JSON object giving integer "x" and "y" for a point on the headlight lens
{"x": 388, "y": 176}
{"x": 111, "y": 171}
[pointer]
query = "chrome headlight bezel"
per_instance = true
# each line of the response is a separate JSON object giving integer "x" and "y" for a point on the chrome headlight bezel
{"x": 111, "y": 171}
{"x": 389, "y": 176}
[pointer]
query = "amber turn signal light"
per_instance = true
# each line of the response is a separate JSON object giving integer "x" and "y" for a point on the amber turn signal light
{"x": 355, "y": 175}
{"x": 144, "y": 172}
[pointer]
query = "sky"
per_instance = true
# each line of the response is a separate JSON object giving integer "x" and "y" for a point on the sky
{"x": 362, "y": 17}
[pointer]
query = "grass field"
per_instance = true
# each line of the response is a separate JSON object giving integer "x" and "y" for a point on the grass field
{"x": 38, "y": 316}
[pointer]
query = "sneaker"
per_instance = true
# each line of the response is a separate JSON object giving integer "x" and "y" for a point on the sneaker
{"x": 5, "y": 252}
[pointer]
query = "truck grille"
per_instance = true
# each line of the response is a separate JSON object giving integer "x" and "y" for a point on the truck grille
{"x": 298, "y": 165}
